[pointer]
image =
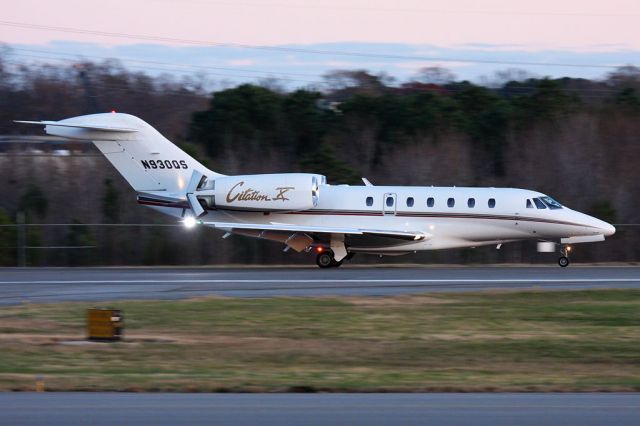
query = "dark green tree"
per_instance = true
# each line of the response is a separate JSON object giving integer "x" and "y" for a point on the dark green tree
{"x": 325, "y": 162}
{"x": 110, "y": 202}
{"x": 628, "y": 98}
{"x": 246, "y": 117}
{"x": 306, "y": 121}
{"x": 34, "y": 202}
{"x": 81, "y": 238}
{"x": 484, "y": 116}
{"x": 8, "y": 240}
{"x": 34, "y": 205}
{"x": 546, "y": 102}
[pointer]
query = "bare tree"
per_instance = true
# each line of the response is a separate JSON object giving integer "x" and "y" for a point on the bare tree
{"x": 357, "y": 81}
{"x": 435, "y": 75}
{"x": 628, "y": 76}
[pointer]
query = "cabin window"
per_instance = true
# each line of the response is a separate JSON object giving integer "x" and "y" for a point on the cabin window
{"x": 471, "y": 203}
{"x": 389, "y": 201}
{"x": 430, "y": 202}
{"x": 492, "y": 203}
{"x": 369, "y": 201}
{"x": 410, "y": 202}
{"x": 451, "y": 202}
{"x": 529, "y": 204}
{"x": 539, "y": 203}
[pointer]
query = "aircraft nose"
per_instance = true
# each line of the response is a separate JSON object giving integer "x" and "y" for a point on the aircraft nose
{"x": 608, "y": 230}
{"x": 603, "y": 227}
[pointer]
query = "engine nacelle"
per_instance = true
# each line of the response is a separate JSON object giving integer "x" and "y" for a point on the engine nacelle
{"x": 269, "y": 192}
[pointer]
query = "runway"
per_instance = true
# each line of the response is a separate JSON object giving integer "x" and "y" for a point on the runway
{"x": 101, "y": 284}
{"x": 319, "y": 409}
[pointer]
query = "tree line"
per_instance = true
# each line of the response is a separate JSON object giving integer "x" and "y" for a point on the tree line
{"x": 576, "y": 139}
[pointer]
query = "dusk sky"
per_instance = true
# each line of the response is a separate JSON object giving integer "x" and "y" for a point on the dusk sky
{"x": 594, "y": 36}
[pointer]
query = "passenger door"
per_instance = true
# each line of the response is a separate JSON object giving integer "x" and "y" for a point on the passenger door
{"x": 389, "y": 203}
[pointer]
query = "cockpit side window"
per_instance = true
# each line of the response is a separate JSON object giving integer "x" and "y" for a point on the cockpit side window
{"x": 539, "y": 203}
{"x": 529, "y": 204}
{"x": 553, "y": 204}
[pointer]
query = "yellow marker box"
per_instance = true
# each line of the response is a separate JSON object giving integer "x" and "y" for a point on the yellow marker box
{"x": 104, "y": 324}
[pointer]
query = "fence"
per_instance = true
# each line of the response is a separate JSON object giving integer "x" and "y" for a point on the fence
{"x": 102, "y": 244}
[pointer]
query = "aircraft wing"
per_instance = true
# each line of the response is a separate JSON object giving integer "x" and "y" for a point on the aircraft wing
{"x": 403, "y": 235}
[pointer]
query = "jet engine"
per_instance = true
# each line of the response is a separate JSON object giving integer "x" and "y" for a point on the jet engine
{"x": 268, "y": 192}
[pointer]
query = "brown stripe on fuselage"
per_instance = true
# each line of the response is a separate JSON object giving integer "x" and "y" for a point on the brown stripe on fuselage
{"x": 433, "y": 215}
{"x": 437, "y": 215}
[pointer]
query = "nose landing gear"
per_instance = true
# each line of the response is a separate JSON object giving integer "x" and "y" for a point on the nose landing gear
{"x": 563, "y": 261}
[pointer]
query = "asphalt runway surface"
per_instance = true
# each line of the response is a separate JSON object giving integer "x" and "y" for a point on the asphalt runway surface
{"x": 319, "y": 409}
{"x": 102, "y": 284}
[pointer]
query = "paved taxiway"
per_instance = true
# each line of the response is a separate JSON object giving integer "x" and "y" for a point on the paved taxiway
{"x": 99, "y": 284}
{"x": 319, "y": 409}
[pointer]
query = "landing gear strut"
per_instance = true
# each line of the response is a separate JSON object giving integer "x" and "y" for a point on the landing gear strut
{"x": 563, "y": 261}
{"x": 325, "y": 259}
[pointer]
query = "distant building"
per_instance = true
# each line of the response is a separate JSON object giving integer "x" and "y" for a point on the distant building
{"x": 44, "y": 145}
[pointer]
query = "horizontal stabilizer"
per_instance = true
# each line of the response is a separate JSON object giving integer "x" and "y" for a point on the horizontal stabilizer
{"x": 80, "y": 126}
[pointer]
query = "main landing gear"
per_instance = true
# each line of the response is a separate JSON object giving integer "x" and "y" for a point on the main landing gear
{"x": 325, "y": 259}
{"x": 563, "y": 261}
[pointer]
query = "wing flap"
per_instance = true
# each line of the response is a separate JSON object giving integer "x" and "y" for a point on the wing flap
{"x": 405, "y": 235}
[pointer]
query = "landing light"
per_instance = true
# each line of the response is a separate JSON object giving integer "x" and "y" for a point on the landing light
{"x": 568, "y": 248}
{"x": 319, "y": 249}
{"x": 189, "y": 221}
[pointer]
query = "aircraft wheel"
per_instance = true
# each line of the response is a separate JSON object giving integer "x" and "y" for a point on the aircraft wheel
{"x": 563, "y": 261}
{"x": 325, "y": 260}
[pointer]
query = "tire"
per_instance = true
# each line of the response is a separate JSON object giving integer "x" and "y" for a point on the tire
{"x": 563, "y": 261}
{"x": 325, "y": 260}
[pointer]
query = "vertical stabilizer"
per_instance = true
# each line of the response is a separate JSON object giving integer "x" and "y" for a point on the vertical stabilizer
{"x": 145, "y": 158}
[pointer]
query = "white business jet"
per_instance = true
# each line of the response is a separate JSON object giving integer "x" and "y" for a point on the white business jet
{"x": 305, "y": 213}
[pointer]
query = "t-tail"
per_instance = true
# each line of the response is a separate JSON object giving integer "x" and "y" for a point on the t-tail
{"x": 146, "y": 159}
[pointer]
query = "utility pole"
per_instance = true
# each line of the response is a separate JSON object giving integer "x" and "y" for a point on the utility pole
{"x": 91, "y": 103}
{"x": 22, "y": 240}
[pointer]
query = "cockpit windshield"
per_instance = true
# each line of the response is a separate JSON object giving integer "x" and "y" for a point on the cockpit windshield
{"x": 553, "y": 204}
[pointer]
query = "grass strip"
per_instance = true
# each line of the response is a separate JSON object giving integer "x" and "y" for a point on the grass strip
{"x": 500, "y": 341}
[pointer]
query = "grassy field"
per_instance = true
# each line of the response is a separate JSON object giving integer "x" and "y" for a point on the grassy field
{"x": 506, "y": 341}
